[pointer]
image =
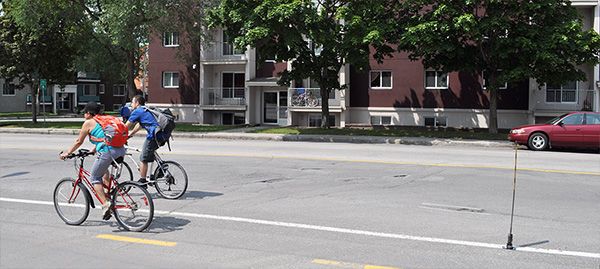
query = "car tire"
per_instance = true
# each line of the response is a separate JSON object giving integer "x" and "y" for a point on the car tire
{"x": 538, "y": 141}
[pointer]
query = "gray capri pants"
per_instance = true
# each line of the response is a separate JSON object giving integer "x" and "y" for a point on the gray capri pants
{"x": 102, "y": 162}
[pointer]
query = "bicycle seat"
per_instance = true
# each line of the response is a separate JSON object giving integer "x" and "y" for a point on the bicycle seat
{"x": 118, "y": 160}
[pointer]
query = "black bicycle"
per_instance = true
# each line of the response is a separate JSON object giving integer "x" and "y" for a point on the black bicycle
{"x": 169, "y": 178}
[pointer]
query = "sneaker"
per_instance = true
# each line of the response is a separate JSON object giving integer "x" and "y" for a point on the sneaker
{"x": 143, "y": 182}
{"x": 106, "y": 210}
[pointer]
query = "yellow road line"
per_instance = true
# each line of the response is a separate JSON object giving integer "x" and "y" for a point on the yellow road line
{"x": 472, "y": 166}
{"x": 137, "y": 240}
{"x": 350, "y": 265}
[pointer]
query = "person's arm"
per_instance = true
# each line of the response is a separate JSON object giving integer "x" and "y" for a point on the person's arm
{"x": 135, "y": 129}
{"x": 83, "y": 132}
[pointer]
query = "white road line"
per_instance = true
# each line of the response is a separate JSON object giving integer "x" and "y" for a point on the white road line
{"x": 348, "y": 231}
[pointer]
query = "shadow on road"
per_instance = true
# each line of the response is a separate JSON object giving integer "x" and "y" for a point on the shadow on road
{"x": 166, "y": 224}
{"x": 15, "y": 174}
{"x": 193, "y": 195}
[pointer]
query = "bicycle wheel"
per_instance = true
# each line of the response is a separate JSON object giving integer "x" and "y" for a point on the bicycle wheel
{"x": 133, "y": 208}
{"x": 171, "y": 180}
{"x": 71, "y": 201}
{"x": 124, "y": 173}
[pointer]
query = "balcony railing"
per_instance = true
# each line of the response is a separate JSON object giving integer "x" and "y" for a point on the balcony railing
{"x": 587, "y": 98}
{"x": 311, "y": 98}
{"x": 223, "y": 97}
{"x": 220, "y": 51}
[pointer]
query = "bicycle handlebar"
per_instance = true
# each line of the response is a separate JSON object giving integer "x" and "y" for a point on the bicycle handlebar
{"x": 132, "y": 148}
{"x": 81, "y": 153}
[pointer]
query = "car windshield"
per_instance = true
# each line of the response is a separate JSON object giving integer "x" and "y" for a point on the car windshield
{"x": 555, "y": 120}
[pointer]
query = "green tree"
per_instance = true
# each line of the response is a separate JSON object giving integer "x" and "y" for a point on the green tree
{"x": 124, "y": 28}
{"x": 317, "y": 37}
{"x": 509, "y": 40}
{"x": 38, "y": 40}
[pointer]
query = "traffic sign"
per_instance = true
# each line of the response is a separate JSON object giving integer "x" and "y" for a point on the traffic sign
{"x": 43, "y": 86}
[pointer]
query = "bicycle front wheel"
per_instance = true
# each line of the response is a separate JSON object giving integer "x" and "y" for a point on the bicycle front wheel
{"x": 171, "y": 180}
{"x": 71, "y": 201}
{"x": 124, "y": 173}
{"x": 132, "y": 206}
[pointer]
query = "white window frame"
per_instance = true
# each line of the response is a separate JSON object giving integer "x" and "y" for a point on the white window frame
{"x": 171, "y": 80}
{"x": 234, "y": 51}
{"x": 101, "y": 89}
{"x": 170, "y": 39}
{"x": 561, "y": 94}
{"x": 435, "y": 121}
{"x": 436, "y": 87}
{"x": 233, "y": 89}
{"x": 483, "y": 85}
{"x": 379, "y": 120}
{"x": 5, "y": 86}
{"x": 381, "y": 87}
{"x": 119, "y": 92}
{"x": 88, "y": 93}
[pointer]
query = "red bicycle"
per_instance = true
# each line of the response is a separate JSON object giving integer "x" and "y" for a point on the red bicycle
{"x": 131, "y": 204}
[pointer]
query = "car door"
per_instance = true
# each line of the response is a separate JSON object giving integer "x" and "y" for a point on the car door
{"x": 591, "y": 130}
{"x": 568, "y": 132}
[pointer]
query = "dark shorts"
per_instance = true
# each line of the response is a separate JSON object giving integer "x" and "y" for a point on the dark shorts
{"x": 150, "y": 146}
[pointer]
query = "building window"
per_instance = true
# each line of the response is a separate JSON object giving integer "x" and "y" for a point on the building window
{"x": 101, "y": 89}
{"x": 565, "y": 93}
{"x": 89, "y": 89}
{"x": 229, "y": 47}
{"x": 170, "y": 80}
{"x": 119, "y": 90}
{"x": 171, "y": 39}
{"x": 381, "y": 79}
{"x": 436, "y": 121}
{"x": 381, "y": 120}
{"x": 116, "y": 107}
{"x": 436, "y": 80}
{"x": 233, "y": 118}
{"x": 234, "y": 85}
{"x": 8, "y": 89}
{"x": 314, "y": 120}
{"x": 484, "y": 83}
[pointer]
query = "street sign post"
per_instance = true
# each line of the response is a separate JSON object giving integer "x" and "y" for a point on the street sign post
{"x": 43, "y": 85}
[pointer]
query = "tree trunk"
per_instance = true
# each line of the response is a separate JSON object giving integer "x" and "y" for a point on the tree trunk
{"x": 325, "y": 108}
{"x": 34, "y": 103}
{"x": 493, "y": 87}
{"x": 131, "y": 71}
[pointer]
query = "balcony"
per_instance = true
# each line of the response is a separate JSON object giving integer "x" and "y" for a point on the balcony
{"x": 559, "y": 101}
{"x": 43, "y": 100}
{"x": 222, "y": 53}
{"x": 83, "y": 99}
{"x": 310, "y": 98}
{"x": 223, "y": 98}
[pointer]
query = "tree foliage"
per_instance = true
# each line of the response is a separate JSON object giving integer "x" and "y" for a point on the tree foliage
{"x": 39, "y": 40}
{"x": 317, "y": 37}
{"x": 509, "y": 40}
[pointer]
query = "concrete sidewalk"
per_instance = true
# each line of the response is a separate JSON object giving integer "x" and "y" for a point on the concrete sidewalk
{"x": 296, "y": 138}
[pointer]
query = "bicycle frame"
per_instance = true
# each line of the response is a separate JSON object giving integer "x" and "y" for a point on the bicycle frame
{"x": 157, "y": 159}
{"x": 83, "y": 177}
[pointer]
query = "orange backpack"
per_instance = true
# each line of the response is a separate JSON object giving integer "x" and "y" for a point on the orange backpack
{"x": 115, "y": 131}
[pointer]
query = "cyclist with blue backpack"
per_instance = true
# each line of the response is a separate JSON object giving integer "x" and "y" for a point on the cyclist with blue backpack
{"x": 108, "y": 134}
{"x": 139, "y": 118}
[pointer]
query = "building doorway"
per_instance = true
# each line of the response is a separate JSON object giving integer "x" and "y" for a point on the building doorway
{"x": 275, "y": 110}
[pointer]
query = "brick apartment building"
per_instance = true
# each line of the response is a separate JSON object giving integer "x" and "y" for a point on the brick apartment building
{"x": 227, "y": 85}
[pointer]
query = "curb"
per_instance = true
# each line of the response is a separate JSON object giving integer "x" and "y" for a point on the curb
{"x": 295, "y": 138}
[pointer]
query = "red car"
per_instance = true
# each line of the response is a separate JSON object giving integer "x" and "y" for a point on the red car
{"x": 575, "y": 129}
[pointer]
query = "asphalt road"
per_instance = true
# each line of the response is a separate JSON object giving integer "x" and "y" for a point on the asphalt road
{"x": 262, "y": 204}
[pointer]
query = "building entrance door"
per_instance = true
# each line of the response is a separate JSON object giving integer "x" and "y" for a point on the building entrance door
{"x": 275, "y": 107}
{"x": 65, "y": 101}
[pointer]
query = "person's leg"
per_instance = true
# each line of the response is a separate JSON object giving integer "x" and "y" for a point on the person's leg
{"x": 98, "y": 171}
{"x": 146, "y": 157}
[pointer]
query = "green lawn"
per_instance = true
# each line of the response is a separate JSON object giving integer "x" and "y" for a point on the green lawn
{"x": 181, "y": 127}
{"x": 399, "y": 132}
{"x": 21, "y": 114}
